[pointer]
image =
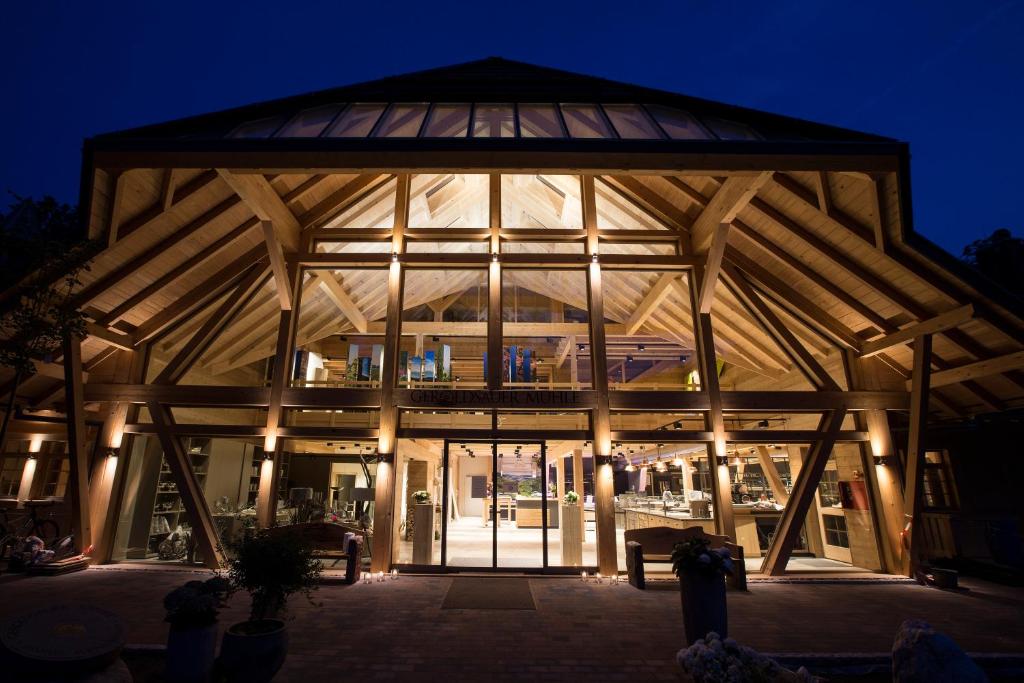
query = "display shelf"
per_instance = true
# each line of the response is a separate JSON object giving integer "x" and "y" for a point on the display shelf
{"x": 198, "y": 451}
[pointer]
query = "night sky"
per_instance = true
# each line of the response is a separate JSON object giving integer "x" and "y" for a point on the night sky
{"x": 944, "y": 76}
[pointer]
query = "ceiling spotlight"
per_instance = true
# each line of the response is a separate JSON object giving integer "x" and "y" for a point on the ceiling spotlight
{"x": 581, "y": 347}
{"x": 763, "y": 424}
{"x": 629, "y": 359}
{"x": 640, "y": 347}
{"x": 678, "y": 425}
{"x": 436, "y": 338}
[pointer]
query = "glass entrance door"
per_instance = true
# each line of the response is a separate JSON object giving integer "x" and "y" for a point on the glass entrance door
{"x": 497, "y": 508}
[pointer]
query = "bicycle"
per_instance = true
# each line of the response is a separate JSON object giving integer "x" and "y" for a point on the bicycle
{"x": 30, "y": 524}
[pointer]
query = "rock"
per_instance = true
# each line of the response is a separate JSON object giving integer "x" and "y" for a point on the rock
{"x": 920, "y": 654}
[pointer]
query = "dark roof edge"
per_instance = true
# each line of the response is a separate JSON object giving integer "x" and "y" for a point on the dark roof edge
{"x": 264, "y": 108}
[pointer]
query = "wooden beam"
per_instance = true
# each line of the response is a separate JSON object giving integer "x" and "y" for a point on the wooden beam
{"x": 771, "y": 473}
{"x": 189, "y": 489}
{"x": 777, "y": 330}
{"x": 78, "y": 457}
{"x": 977, "y": 369}
{"x": 940, "y": 323}
{"x": 713, "y": 266}
{"x": 261, "y": 198}
{"x": 654, "y": 297}
{"x": 157, "y": 210}
{"x": 914, "y": 485}
{"x": 266, "y": 500}
{"x": 116, "y": 214}
{"x": 167, "y": 187}
{"x": 180, "y": 364}
{"x": 121, "y": 341}
{"x": 788, "y": 530}
{"x": 604, "y": 485}
{"x": 493, "y": 371}
{"x": 823, "y": 191}
{"x": 731, "y": 198}
{"x": 277, "y": 265}
{"x": 337, "y": 294}
{"x": 714, "y": 419}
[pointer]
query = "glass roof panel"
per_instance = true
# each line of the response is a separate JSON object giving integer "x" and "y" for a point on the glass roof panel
{"x": 730, "y": 130}
{"x": 585, "y": 121}
{"x": 356, "y": 121}
{"x": 309, "y": 123}
{"x": 631, "y": 122}
{"x": 539, "y": 121}
{"x": 678, "y": 124}
{"x": 402, "y": 120}
{"x": 448, "y": 200}
{"x": 541, "y": 201}
{"x": 448, "y": 121}
{"x": 494, "y": 121}
{"x": 261, "y": 128}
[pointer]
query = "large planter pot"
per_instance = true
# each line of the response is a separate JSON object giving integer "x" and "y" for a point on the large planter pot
{"x": 253, "y": 651}
{"x": 423, "y": 534}
{"x": 190, "y": 653}
{"x": 704, "y": 607}
{"x": 571, "y": 534}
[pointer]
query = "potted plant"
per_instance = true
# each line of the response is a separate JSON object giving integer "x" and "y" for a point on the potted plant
{"x": 423, "y": 528}
{"x": 570, "y": 524}
{"x": 701, "y": 573}
{"x": 192, "y": 638}
{"x": 722, "y": 660}
{"x": 270, "y": 565}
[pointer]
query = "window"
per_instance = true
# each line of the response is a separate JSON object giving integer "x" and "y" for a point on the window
{"x": 448, "y": 121}
{"x": 677, "y": 124}
{"x": 539, "y": 121}
{"x": 730, "y": 130}
{"x": 57, "y": 471}
{"x": 835, "y": 530}
{"x": 356, "y": 121}
{"x": 828, "y": 489}
{"x": 309, "y": 123}
{"x": 262, "y": 128}
{"x": 585, "y": 121}
{"x": 10, "y": 475}
{"x": 937, "y": 485}
{"x": 493, "y": 121}
{"x": 631, "y": 122}
{"x": 402, "y": 120}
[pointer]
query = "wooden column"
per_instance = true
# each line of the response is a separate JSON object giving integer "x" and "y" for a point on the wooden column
{"x": 577, "y": 483}
{"x": 721, "y": 486}
{"x": 191, "y": 492}
{"x": 493, "y": 371}
{"x": 804, "y": 488}
{"x": 104, "y": 542}
{"x": 920, "y": 384}
{"x": 560, "y": 477}
{"x": 881, "y": 473}
{"x": 604, "y": 485}
{"x": 78, "y": 459}
{"x": 106, "y": 463}
{"x": 574, "y": 368}
{"x": 284, "y": 357}
{"x": 384, "y": 482}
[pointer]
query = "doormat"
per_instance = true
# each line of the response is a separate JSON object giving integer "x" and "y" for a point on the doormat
{"x": 488, "y": 593}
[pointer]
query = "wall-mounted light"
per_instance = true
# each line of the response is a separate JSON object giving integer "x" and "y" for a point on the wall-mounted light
{"x": 35, "y": 444}
{"x": 394, "y": 257}
{"x": 593, "y": 257}
{"x": 269, "y": 442}
{"x": 494, "y": 257}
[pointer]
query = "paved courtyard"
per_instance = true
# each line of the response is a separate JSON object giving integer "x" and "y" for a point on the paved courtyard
{"x": 397, "y": 630}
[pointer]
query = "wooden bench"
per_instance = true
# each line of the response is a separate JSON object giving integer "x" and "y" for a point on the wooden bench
{"x": 328, "y": 541}
{"x": 655, "y": 544}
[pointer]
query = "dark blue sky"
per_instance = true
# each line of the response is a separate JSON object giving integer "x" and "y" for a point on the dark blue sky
{"x": 948, "y": 76}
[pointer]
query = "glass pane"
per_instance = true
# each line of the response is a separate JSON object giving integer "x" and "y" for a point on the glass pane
{"x": 420, "y": 495}
{"x": 615, "y": 212}
{"x": 730, "y": 130}
{"x": 448, "y": 121}
{"x": 520, "y": 509}
{"x": 541, "y": 201}
{"x": 470, "y": 541}
{"x": 356, "y": 122}
{"x": 309, "y": 123}
{"x": 493, "y": 121}
{"x": 449, "y": 201}
{"x": 572, "y": 532}
{"x": 585, "y": 121}
{"x": 539, "y": 121}
{"x": 678, "y": 124}
{"x": 402, "y": 121}
{"x": 263, "y": 128}
{"x": 631, "y": 122}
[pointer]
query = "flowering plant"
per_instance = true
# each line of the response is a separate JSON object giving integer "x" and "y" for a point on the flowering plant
{"x": 421, "y": 496}
{"x": 717, "y": 660}
{"x": 571, "y": 498}
{"x": 696, "y": 555}
{"x": 196, "y": 603}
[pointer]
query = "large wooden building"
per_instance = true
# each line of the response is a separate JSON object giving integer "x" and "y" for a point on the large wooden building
{"x": 498, "y": 283}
